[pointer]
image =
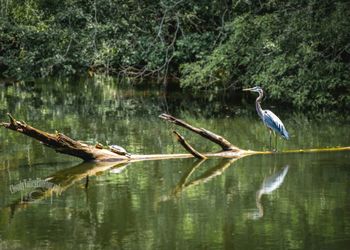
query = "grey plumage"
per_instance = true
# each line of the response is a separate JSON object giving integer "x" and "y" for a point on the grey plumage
{"x": 268, "y": 117}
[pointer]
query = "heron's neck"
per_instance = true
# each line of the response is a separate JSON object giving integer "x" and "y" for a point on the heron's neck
{"x": 257, "y": 104}
{"x": 258, "y": 204}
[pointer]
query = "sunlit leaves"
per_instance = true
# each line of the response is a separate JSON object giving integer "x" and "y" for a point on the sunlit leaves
{"x": 298, "y": 52}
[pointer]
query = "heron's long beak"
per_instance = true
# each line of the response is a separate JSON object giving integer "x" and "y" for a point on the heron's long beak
{"x": 247, "y": 89}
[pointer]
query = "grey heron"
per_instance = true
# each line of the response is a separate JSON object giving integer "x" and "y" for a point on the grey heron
{"x": 271, "y": 121}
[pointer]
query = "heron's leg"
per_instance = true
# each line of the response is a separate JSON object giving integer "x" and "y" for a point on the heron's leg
{"x": 270, "y": 139}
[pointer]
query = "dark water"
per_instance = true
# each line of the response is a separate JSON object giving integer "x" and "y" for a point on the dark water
{"x": 281, "y": 201}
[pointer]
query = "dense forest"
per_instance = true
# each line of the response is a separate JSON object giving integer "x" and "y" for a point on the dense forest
{"x": 297, "y": 50}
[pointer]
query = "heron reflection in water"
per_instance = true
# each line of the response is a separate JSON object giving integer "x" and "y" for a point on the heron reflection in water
{"x": 269, "y": 185}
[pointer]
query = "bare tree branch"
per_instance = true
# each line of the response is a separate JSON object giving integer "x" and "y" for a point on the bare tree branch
{"x": 188, "y": 147}
{"x": 225, "y": 144}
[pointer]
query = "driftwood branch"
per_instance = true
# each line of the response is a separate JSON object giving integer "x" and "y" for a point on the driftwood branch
{"x": 66, "y": 145}
{"x": 222, "y": 142}
{"x": 188, "y": 147}
{"x": 62, "y": 143}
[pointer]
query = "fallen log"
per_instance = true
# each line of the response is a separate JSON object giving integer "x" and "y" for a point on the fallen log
{"x": 62, "y": 143}
{"x": 66, "y": 145}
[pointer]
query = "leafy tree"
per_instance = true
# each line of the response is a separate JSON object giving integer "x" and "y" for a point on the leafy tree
{"x": 297, "y": 50}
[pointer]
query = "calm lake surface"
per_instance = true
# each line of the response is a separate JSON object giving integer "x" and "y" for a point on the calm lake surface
{"x": 280, "y": 201}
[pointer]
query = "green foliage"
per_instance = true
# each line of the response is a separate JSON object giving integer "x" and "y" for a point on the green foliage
{"x": 40, "y": 37}
{"x": 298, "y": 51}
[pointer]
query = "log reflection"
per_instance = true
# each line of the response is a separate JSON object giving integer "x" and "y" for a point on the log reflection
{"x": 184, "y": 182}
{"x": 58, "y": 182}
